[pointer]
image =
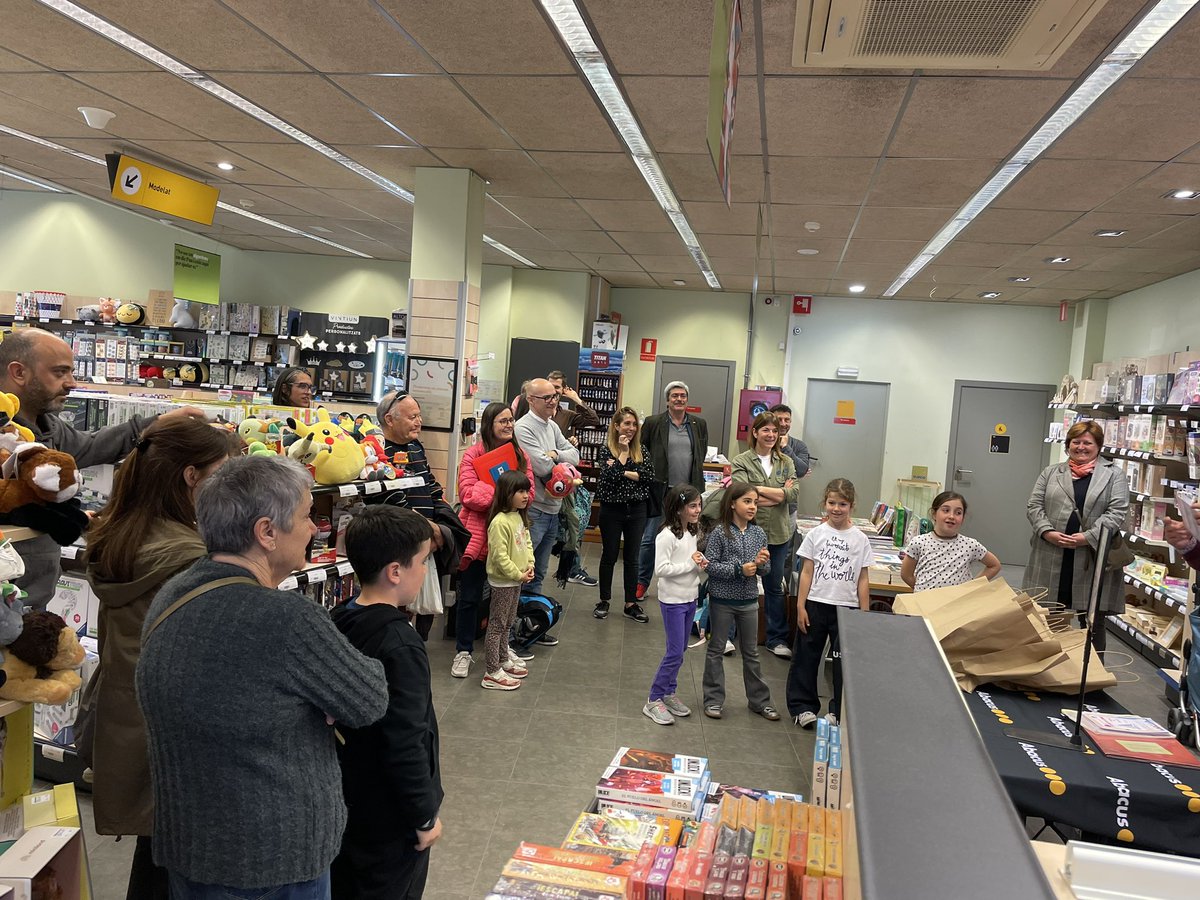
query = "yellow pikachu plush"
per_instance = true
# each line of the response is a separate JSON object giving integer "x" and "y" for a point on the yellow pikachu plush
{"x": 339, "y": 458}
{"x": 9, "y": 407}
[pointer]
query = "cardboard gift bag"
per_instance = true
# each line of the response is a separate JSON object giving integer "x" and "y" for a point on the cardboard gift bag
{"x": 1064, "y": 676}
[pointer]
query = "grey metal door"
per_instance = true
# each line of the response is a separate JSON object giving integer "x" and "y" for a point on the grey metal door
{"x": 845, "y": 424}
{"x": 710, "y": 392}
{"x": 997, "y": 450}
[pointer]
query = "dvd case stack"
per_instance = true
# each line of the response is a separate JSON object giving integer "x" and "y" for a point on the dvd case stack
{"x": 661, "y": 829}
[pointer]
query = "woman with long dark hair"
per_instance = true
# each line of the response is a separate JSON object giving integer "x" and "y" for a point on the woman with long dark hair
{"x": 622, "y": 489}
{"x": 293, "y": 387}
{"x": 476, "y": 495}
{"x": 145, "y": 535}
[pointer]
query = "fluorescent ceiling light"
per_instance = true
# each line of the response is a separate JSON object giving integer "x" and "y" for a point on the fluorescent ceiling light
{"x": 807, "y": 251}
{"x": 1149, "y": 30}
{"x": 564, "y": 15}
{"x": 492, "y": 242}
{"x": 50, "y": 145}
{"x": 857, "y": 288}
{"x": 6, "y": 172}
{"x": 198, "y": 79}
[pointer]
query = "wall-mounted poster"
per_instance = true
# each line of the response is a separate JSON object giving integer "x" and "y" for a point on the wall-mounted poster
{"x": 433, "y": 382}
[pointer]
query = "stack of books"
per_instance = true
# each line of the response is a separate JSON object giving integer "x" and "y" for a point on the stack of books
{"x": 682, "y": 836}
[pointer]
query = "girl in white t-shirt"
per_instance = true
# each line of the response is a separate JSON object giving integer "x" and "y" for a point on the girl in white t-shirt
{"x": 678, "y": 565}
{"x": 836, "y": 557}
{"x": 943, "y": 557}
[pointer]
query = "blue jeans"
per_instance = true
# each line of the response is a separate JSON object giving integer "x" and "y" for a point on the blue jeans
{"x": 543, "y": 531}
{"x": 183, "y": 889}
{"x": 773, "y": 596}
{"x": 646, "y": 561}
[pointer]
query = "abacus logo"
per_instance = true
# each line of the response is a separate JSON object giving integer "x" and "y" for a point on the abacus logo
{"x": 1122, "y": 810}
{"x": 1060, "y": 725}
{"x": 1185, "y": 789}
{"x": 1056, "y": 786}
{"x": 1001, "y": 716}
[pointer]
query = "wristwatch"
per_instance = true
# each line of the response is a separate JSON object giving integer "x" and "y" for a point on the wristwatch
{"x": 428, "y": 825}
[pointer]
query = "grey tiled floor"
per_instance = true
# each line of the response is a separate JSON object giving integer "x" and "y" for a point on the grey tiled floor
{"x": 520, "y": 765}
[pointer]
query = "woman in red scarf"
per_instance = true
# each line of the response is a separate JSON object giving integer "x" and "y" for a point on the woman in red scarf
{"x": 1070, "y": 504}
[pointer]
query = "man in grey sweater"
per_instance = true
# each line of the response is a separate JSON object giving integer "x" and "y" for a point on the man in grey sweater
{"x": 543, "y": 443}
{"x": 38, "y": 367}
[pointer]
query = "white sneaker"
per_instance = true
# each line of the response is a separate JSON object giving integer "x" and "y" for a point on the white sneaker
{"x": 729, "y": 648}
{"x": 461, "y": 665}
{"x": 831, "y": 718}
{"x": 658, "y": 713}
{"x": 806, "y": 719}
{"x": 515, "y": 669}
{"x": 515, "y": 660}
{"x": 499, "y": 681}
{"x": 782, "y": 651}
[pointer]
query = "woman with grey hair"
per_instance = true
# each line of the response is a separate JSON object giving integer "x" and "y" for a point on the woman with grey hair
{"x": 239, "y": 683}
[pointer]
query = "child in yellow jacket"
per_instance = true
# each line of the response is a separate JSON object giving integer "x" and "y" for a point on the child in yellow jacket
{"x": 509, "y": 565}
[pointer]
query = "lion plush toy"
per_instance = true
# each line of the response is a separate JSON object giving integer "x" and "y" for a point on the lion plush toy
{"x": 40, "y": 664}
{"x": 33, "y": 473}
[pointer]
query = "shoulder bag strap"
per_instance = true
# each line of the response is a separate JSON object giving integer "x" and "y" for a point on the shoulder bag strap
{"x": 192, "y": 595}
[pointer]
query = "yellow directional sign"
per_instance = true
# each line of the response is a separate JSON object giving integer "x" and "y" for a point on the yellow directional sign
{"x": 145, "y": 185}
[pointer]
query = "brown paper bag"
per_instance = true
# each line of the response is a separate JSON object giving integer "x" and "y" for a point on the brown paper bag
{"x": 1063, "y": 677}
{"x": 976, "y": 617}
{"x": 1015, "y": 663}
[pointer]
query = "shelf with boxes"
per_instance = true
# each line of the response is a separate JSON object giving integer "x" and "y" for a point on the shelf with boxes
{"x": 602, "y": 392}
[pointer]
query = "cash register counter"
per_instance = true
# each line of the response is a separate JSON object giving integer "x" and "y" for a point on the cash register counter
{"x": 926, "y": 814}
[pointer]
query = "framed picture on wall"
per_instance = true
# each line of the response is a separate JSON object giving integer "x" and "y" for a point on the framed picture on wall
{"x": 433, "y": 383}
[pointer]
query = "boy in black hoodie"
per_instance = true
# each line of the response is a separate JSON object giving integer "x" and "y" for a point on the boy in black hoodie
{"x": 390, "y": 771}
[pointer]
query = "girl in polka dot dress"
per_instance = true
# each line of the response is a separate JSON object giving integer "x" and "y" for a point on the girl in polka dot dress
{"x": 943, "y": 557}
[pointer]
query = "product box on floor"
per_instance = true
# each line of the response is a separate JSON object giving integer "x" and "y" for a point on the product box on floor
{"x": 57, "y": 807}
{"x": 16, "y": 752}
{"x": 47, "y": 861}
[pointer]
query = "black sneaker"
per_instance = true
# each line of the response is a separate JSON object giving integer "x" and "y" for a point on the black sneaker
{"x": 635, "y": 612}
{"x": 522, "y": 653}
{"x": 582, "y": 577}
{"x": 601, "y": 610}
{"x": 548, "y": 640}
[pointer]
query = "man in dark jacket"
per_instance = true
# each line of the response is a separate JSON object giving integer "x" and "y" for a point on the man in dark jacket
{"x": 391, "y": 775}
{"x": 39, "y": 368}
{"x": 677, "y": 441}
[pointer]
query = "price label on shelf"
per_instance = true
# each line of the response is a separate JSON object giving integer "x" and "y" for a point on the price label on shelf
{"x": 290, "y": 583}
{"x": 373, "y": 487}
{"x": 316, "y": 576}
{"x": 348, "y": 490}
{"x": 344, "y": 568}
{"x": 70, "y": 552}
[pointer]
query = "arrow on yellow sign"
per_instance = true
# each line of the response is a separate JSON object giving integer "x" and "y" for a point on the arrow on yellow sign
{"x": 142, "y": 184}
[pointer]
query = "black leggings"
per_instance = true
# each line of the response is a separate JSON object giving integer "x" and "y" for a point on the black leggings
{"x": 619, "y": 520}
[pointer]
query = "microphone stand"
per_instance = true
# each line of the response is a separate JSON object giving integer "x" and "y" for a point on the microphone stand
{"x": 1075, "y": 741}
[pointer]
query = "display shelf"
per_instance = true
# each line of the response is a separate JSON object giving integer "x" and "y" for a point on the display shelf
{"x": 1156, "y": 593}
{"x": 1142, "y": 642}
{"x": 1140, "y": 454}
{"x": 58, "y": 764}
{"x": 6, "y": 318}
{"x": 352, "y": 488}
{"x": 1189, "y": 409}
{"x": 316, "y": 573}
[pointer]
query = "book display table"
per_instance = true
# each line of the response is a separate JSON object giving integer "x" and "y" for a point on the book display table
{"x": 1152, "y": 807}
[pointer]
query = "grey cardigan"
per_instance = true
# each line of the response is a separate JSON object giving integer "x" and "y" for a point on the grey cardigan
{"x": 1049, "y": 509}
{"x": 235, "y": 687}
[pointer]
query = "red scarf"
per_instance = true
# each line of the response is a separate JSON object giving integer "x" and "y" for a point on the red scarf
{"x": 1081, "y": 470}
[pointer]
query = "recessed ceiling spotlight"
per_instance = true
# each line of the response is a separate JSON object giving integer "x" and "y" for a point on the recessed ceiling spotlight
{"x": 1108, "y": 232}
{"x": 812, "y": 226}
{"x": 246, "y": 204}
{"x": 808, "y": 251}
{"x": 1020, "y": 279}
{"x": 226, "y": 166}
{"x": 1182, "y": 194}
{"x": 989, "y": 295}
{"x": 679, "y": 282}
{"x": 857, "y": 288}
{"x": 1056, "y": 260}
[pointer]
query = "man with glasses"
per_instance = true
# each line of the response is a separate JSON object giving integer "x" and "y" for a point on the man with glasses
{"x": 399, "y": 418}
{"x": 293, "y": 387}
{"x": 543, "y": 443}
{"x": 677, "y": 441}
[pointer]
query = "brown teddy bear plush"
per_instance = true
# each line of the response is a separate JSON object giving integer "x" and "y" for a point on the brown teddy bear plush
{"x": 35, "y": 474}
{"x": 39, "y": 664}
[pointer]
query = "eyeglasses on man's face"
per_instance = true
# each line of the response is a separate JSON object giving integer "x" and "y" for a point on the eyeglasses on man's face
{"x": 545, "y": 398}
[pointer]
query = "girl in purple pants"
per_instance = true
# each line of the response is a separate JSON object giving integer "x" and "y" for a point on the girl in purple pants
{"x": 678, "y": 565}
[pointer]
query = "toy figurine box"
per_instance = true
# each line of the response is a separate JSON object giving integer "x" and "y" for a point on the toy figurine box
{"x": 47, "y": 861}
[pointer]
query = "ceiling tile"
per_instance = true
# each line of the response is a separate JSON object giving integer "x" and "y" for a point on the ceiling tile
{"x": 964, "y": 253}
{"x": 648, "y": 243}
{"x": 544, "y": 113}
{"x": 1135, "y": 259}
{"x": 1146, "y": 196}
{"x": 319, "y": 32}
{"x": 1137, "y": 227}
{"x": 187, "y": 107}
{"x": 674, "y": 114}
{"x": 483, "y": 36}
{"x": 337, "y": 203}
{"x": 933, "y": 275}
{"x": 510, "y": 172}
{"x": 584, "y": 242}
{"x": 1008, "y": 226}
{"x": 11, "y": 62}
{"x": 679, "y": 262}
{"x": 1175, "y": 55}
{"x": 828, "y": 249}
{"x": 631, "y": 215}
{"x": 58, "y": 43}
{"x": 1139, "y": 118}
{"x": 224, "y": 42}
{"x": 1037, "y": 278}
{"x": 1184, "y": 236}
{"x": 832, "y": 222}
{"x": 23, "y": 115}
{"x": 1048, "y": 295}
{"x": 717, "y": 218}
{"x": 522, "y": 239}
{"x": 312, "y": 104}
{"x": 942, "y": 293}
{"x": 635, "y": 33}
{"x": 609, "y": 262}
{"x": 430, "y": 110}
{"x": 628, "y": 279}
{"x": 396, "y": 163}
{"x": 691, "y": 281}
{"x": 732, "y": 265}
{"x": 1078, "y": 184}
{"x": 23, "y": 154}
{"x": 596, "y": 176}
{"x": 820, "y": 180}
{"x": 890, "y": 223}
{"x": 929, "y": 182}
{"x": 869, "y": 273}
{"x": 1007, "y": 293}
{"x": 247, "y": 242}
{"x": 693, "y": 177}
{"x": 813, "y": 269}
{"x": 838, "y": 115}
{"x": 556, "y": 259}
{"x": 896, "y": 253}
{"x": 554, "y": 213}
{"x": 972, "y": 118}
{"x": 728, "y": 245}
{"x": 1089, "y": 280}
{"x": 304, "y": 245}
{"x": 1077, "y": 255}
